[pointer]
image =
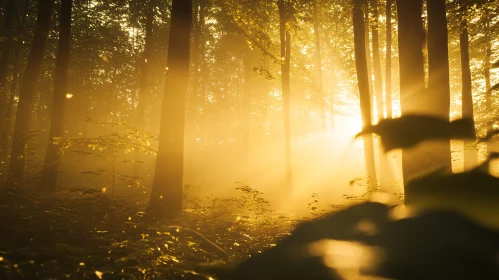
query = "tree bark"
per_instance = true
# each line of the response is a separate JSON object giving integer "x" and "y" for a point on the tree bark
{"x": 285, "y": 38}
{"x": 411, "y": 65}
{"x": 6, "y": 121}
{"x": 50, "y": 170}
{"x": 7, "y": 45}
{"x": 470, "y": 148}
{"x": 363, "y": 84}
{"x": 246, "y": 117}
{"x": 438, "y": 75}
{"x": 318, "y": 66}
{"x": 167, "y": 189}
{"x": 368, "y": 56}
{"x": 488, "y": 95}
{"x": 378, "y": 79}
{"x": 144, "y": 90}
{"x": 388, "y": 80}
{"x": 8, "y": 117}
{"x": 27, "y": 90}
{"x": 384, "y": 180}
{"x": 197, "y": 59}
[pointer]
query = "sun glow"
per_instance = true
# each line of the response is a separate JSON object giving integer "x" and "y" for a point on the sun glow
{"x": 347, "y": 125}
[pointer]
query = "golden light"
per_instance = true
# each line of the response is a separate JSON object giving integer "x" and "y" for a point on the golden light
{"x": 69, "y": 95}
{"x": 98, "y": 274}
{"x": 367, "y": 227}
{"x": 384, "y": 198}
{"x": 402, "y": 212}
{"x": 347, "y": 258}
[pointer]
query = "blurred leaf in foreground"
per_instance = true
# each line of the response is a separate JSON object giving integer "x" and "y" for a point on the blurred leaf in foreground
{"x": 410, "y": 130}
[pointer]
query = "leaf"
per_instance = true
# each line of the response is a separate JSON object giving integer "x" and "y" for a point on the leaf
{"x": 494, "y": 87}
{"x": 410, "y": 130}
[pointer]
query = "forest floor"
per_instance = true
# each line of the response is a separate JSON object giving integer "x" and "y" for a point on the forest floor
{"x": 84, "y": 234}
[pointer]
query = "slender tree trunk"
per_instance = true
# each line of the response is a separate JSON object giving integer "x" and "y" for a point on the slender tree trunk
{"x": 368, "y": 56}
{"x": 318, "y": 66}
{"x": 286, "y": 93}
{"x": 197, "y": 55}
{"x": 197, "y": 94}
{"x": 411, "y": 65}
{"x": 50, "y": 170}
{"x": 470, "y": 148}
{"x": 363, "y": 84}
{"x": 384, "y": 180}
{"x": 378, "y": 79}
{"x": 42, "y": 89}
{"x": 167, "y": 190}
{"x": 438, "y": 74}
{"x": 144, "y": 90}
{"x": 488, "y": 97}
{"x": 245, "y": 124}
{"x": 27, "y": 90}
{"x": 6, "y": 122}
{"x": 388, "y": 81}
{"x": 7, "y": 45}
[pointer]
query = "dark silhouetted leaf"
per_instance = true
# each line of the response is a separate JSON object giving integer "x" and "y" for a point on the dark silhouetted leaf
{"x": 409, "y": 130}
{"x": 473, "y": 193}
{"x": 494, "y": 87}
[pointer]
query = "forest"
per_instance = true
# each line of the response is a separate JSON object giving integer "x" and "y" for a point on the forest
{"x": 249, "y": 139}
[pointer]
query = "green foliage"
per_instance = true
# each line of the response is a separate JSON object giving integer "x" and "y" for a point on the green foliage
{"x": 318, "y": 210}
{"x": 110, "y": 148}
{"x": 253, "y": 201}
{"x": 84, "y": 234}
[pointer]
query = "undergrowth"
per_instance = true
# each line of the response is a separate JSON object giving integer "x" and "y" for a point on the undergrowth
{"x": 85, "y": 234}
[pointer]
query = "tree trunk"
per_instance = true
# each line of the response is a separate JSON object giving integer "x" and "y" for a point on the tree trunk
{"x": 7, "y": 45}
{"x": 438, "y": 74}
{"x": 286, "y": 94}
{"x": 378, "y": 79}
{"x": 43, "y": 88}
{"x": 144, "y": 90}
{"x": 246, "y": 114}
{"x": 384, "y": 180}
{"x": 470, "y": 148}
{"x": 388, "y": 81}
{"x": 318, "y": 66}
{"x": 488, "y": 95}
{"x": 197, "y": 58}
{"x": 368, "y": 57}
{"x": 363, "y": 84}
{"x": 27, "y": 89}
{"x": 412, "y": 75}
{"x": 6, "y": 121}
{"x": 50, "y": 170}
{"x": 167, "y": 189}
